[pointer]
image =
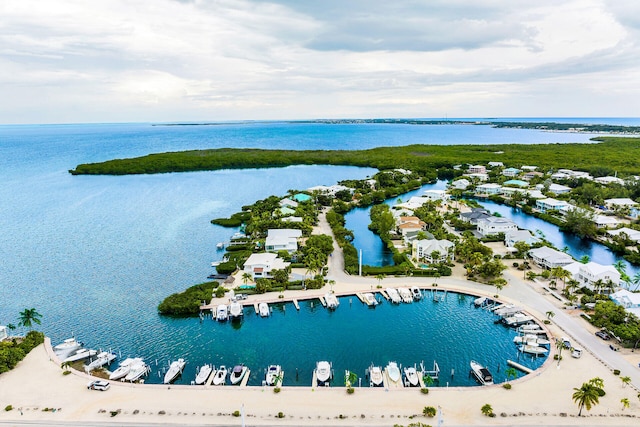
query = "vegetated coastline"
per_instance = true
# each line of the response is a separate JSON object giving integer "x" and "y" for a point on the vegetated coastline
{"x": 617, "y": 153}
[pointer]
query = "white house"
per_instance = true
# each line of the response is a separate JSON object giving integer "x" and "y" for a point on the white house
{"x": 261, "y": 265}
{"x": 555, "y": 188}
{"x": 282, "y": 239}
{"x": 619, "y": 203}
{"x": 476, "y": 169}
{"x": 3, "y": 333}
{"x": 547, "y": 257}
{"x": 549, "y": 204}
{"x": 478, "y": 176}
{"x": 423, "y": 251}
{"x": 511, "y": 172}
{"x": 329, "y": 190}
{"x": 292, "y": 219}
{"x": 288, "y": 203}
{"x": 493, "y": 225}
{"x": 629, "y": 300}
{"x": 631, "y": 234}
{"x": 489, "y": 188}
{"x": 435, "y": 195}
{"x": 512, "y": 237}
{"x": 592, "y": 272}
{"x": 496, "y": 164}
{"x": 460, "y": 184}
{"x": 604, "y": 221}
{"x": 528, "y": 168}
{"x": 414, "y": 202}
{"x": 606, "y": 180}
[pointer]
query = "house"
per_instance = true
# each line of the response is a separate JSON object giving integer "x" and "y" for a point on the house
{"x": 549, "y": 204}
{"x": 619, "y": 203}
{"x": 536, "y": 194}
{"x": 555, "y": 188}
{"x": 477, "y": 169}
{"x": 488, "y": 188}
{"x": 511, "y": 172}
{"x": 496, "y": 164}
{"x": 288, "y": 203}
{"x": 435, "y": 195}
{"x": 286, "y": 211}
{"x": 606, "y": 180}
{"x": 629, "y": 300}
{"x": 460, "y": 184}
{"x": 282, "y": 239}
{"x": 571, "y": 174}
{"x": 413, "y": 202}
{"x": 261, "y": 265}
{"x": 3, "y": 333}
{"x": 516, "y": 183}
{"x": 301, "y": 197}
{"x": 478, "y": 176}
{"x": 547, "y": 257}
{"x": 630, "y": 233}
{"x": 493, "y": 225}
{"x": 528, "y": 168}
{"x": 408, "y": 224}
{"x": 592, "y": 272}
{"x": 512, "y": 237}
{"x": 475, "y": 215}
{"x": 292, "y": 219}
{"x": 329, "y": 190}
{"x": 532, "y": 174}
{"x": 604, "y": 221}
{"x": 432, "y": 251}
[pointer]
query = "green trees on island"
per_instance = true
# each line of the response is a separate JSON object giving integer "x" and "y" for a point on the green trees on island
{"x": 14, "y": 350}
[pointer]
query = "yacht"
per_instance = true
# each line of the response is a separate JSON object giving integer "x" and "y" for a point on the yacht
{"x": 411, "y": 377}
{"x": 530, "y": 328}
{"x": 393, "y": 371}
{"x": 274, "y": 375}
{"x": 124, "y": 368}
{"x": 370, "y": 299}
{"x": 482, "y": 374}
{"x": 375, "y": 376}
{"x": 393, "y": 294}
{"x": 531, "y": 339}
{"x": 533, "y": 349}
{"x": 416, "y": 292}
{"x": 65, "y": 348}
{"x": 323, "y": 373}
{"x": 517, "y": 319}
{"x": 103, "y": 358}
{"x": 331, "y": 300}
{"x": 203, "y": 374}
{"x": 263, "y": 309}
{"x": 222, "y": 313}
{"x": 235, "y": 310}
{"x": 221, "y": 376}
{"x": 405, "y": 295}
{"x": 175, "y": 369}
{"x": 237, "y": 374}
{"x": 137, "y": 371}
{"x": 81, "y": 353}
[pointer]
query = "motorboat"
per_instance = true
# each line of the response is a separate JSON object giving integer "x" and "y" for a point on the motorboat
{"x": 263, "y": 309}
{"x": 323, "y": 373}
{"x": 393, "y": 294}
{"x": 507, "y": 310}
{"x": 203, "y": 374}
{"x": 67, "y": 347}
{"x": 481, "y": 373}
{"x": 416, "y": 292}
{"x": 480, "y": 301}
{"x": 376, "y": 378}
{"x": 370, "y": 299}
{"x": 274, "y": 375}
{"x": 137, "y": 371}
{"x": 405, "y": 295}
{"x": 220, "y": 246}
{"x": 517, "y": 319}
{"x": 235, "y": 310}
{"x": 237, "y": 374}
{"x": 175, "y": 369}
{"x": 222, "y": 313}
{"x": 220, "y": 377}
{"x": 531, "y": 339}
{"x": 531, "y": 328}
{"x": 393, "y": 372}
{"x": 331, "y": 300}
{"x": 533, "y": 349}
{"x": 411, "y": 377}
{"x": 81, "y": 353}
{"x": 103, "y": 358}
{"x": 124, "y": 368}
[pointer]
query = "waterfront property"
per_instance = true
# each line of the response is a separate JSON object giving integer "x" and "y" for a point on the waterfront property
{"x": 555, "y": 188}
{"x": 593, "y": 275}
{"x": 630, "y": 233}
{"x": 492, "y": 225}
{"x": 460, "y": 184}
{"x": 629, "y": 300}
{"x": 432, "y": 251}
{"x": 282, "y": 239}
{"x": 514, "y": 236}
{"x": 550, "y": 204}
{"x": 516, "y": 183}
{"x": 619, "y": 203}
{"x": 488, "y": 189}
{"x": 261, "y": 265}
{"x": 475, "y": 215}
{"x": 549, "y": 258}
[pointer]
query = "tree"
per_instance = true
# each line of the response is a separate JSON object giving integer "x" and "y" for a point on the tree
{"x": 429, "y": 411}
{"x": 511, "y": 373}
{"x": 487, "y": 410}
{"x": 580, "y": 221}
{"x": 499, "y": 283}
{"x": 28, "y": 317}
{"x": 380, "y": 277}
{"x": 584, "y": 259}
{"x": 586, "y": 396}
{"x": 550, "y": 314}
{"x": 625, "y": 380}
{"x": 625, "y": 403}
{"x": 246, "y": 278}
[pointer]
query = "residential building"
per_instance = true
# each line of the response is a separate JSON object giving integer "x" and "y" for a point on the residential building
{"x": 536, "y": 194}
{"x": 288, "y": 203}
{"x": 516, "y": 183}
{"x": 547, "y": 257}
{"x": 292, "y": 219}
{"x": 478, "y": 176}
{"x": 489, "y": 188}
{"x": 477, "y": 169}
{"x": 407, "y": 224}
{"x": 301, "y": 197}
{"x": 414, "y": 202}
{"x": 630, "y": 233}
{"x": 606, "y": 180}
{"x": 436, "y": 195}
{"x": 512, "y": 237}
{"x": 286, "y": 211}
{"x": 509, "y": 191}
{"x": 496, "y": 164}
{"x": 549, "y": 204}
{"x": 555, "y": 188}
{"x": 432, "y": 251}
{"x": 329, "y": 190}
{"x": 592, "y": 272}
{"x": 528, "y": 168}
{"x": 629, "y": 300}
{"x": 605, "y": 221}
{"x": 261, "y": 265}
{"x": 475, "y": 215}
{"x": 619, "y": 203}
{"x": 532, "y": 174}
{"x": 460, "y": 184}
{"x": 493, "y": 225}
{"x": 511, "y": 172}
{"x": 282, "y": 239}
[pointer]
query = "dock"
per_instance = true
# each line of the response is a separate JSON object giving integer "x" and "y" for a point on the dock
{"x": 245, "y": 379}
{"x": 360, "y": 297}
{"x": 519, "y": 366}
{"x": 388, "y": 384}
{"x": 210, "y": 379}
{"x": 384, "y": 294}
{"x": 296, "y": 305}
{"x": 255, "y": 307}
{"x": 323, "y": 302}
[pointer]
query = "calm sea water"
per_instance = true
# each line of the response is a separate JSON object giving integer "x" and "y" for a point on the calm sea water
{"x": 95, "y": 255}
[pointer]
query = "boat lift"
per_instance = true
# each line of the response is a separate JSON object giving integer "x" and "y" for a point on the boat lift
{"x": 434, "y": 373}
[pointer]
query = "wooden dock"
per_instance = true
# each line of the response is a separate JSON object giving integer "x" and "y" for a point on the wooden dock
{"x": 323, "y": 302}
{"x": 519, "y": 366}
{"x": 384, "y": 294}
{"x": 296, "y": 305}
{"x": 361, "y": 298}
{"x": 245, "y": 379}
{"x": 209, "y": 381}
{"x": 255, "y": 307}
{"x": 388, "y": 384}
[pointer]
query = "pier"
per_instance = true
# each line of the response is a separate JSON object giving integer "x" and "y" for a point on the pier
{"x": 245, "y": 379}
{"x": 519, "y": 367}
{"x": 295, "y": 304}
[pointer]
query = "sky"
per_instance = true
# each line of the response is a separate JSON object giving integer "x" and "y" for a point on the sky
{"x": 76, "y": 61}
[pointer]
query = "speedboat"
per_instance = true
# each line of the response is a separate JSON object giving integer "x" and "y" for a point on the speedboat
{"x": 375, "y": 376}
{"x": 393, "y": 371}
{"x": 323, "y": 373}
{"x": 221, "y": 376}
{"x": 531, "y": 339}
{"x": 517, "y": 319}
{"x": 174, "y": 370}
{"x": 124, "y": 368}
{"x": 67, "y": 347}
{"x": 332, "y": 301}
{"x": 411, "y": 377}
{"x": 137, "y": 371}
{"x": 533, "y": 349}
{"x": 530, "y": 328}
{"x": 235, "y": 310}
{"x": 203, "y": 374}
{"x": 237, "y": 374}
{"x": 416, "y": 292}
{"x": 274, "y": 375}
{"x": 393, "y": 294}
{"x": 370, "y": 299}
{"x": 81, "y": 353}
{"x": 481, "y": 373}
{"x": 480, "y": 301}
{"x": 103, "y": 358}
{"x": 221, "y": 313}
{"x": 263, "y": 309}
{"x": 405, "y": 295}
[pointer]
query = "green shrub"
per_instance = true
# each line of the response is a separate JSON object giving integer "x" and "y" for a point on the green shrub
{"x": 507, "y": 386}
{"x": 280, "y": 415}
{"x": 236, "y": 413}
{"x": 350, "y": 390}
{"x": 187, "y": 303}
{"x": 8, "y": 408}
{"x": 616, "y": 372}
{"x": 424, "y": 390}
{"x": 276, "y": 390}
{"x": 429, "y": 411}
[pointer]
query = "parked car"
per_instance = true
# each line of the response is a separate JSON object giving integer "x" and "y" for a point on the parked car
{"x": 99, "y": 385}
{"x": 602, "y": 334}
{"x": 576, "y": 353}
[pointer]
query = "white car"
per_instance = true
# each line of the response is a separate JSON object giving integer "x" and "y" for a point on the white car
{"x": 99, "y": 385}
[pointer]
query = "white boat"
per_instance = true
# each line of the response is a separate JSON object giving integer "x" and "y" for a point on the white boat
{"x": 405, "y": 295}
{"x": 235, "y": 310}
{"x": 479, "y": 301}
{"x": 137, "y": 371}
{"x": 81, "y": 353}
{"x": 263, "y": 309}
{"x": 174, "y": 370}
{"x": 517, "y": 319}
{"x": 507, "y": 310}
{"x": 221, "y": 376}
{"x": 481, "y": 373}
{"x": 103, "y": 358}
{"x": 393, "y": 294}
{"x": 237, "y": 374}
{"x": 274, "y": 375}
{"x": 222, "y": 313}
{"x": 370, "y": 299}
{"x": 375, "y": 376}
{"x": 331, "y": 300}
{"x": 67, "y": 347}
{"x": 323, "y": 373}
{"x": 416, "y": 292}
{"x": 203, "y": 374}
{"x": 124, "y": 368}
{"x": 220, "y": 246}
{"x": 531, "y": 328}
{"x": 411, "y": 377}
{"x": 393, "y": 372}
{"x": 531, "y": 339}
{"x": 533, "y": 349}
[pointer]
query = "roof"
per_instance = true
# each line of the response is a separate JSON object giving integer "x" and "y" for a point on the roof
{"x": 301, "y": 197}
{"x": 597, "y": 269}
{"x": 620, "y": 202}
{"x": 548, "y": 253}
{"x": 626, "y": 298}
{"x": 517, "y": 182}
{"x": 496, "y": 220}
{"x": 430, "y": 245}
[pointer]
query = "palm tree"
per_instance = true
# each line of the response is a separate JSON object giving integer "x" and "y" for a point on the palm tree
{"x": 511, "y": 373}
{"x": 559, "y": 346}
{"x": 486, "y": 410}
{"x": 625, "y": 381}
{"x": 29, "y": 316}
{"x": 586, "y": 396}
{"x": 584, "y": 259}
{"x": 597, "y": 382}
{"x": 246, "y": 278}
{"x": 380, "y": 277}
{"x": 625, "y": 403}
{"x": 550, "y": 314}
